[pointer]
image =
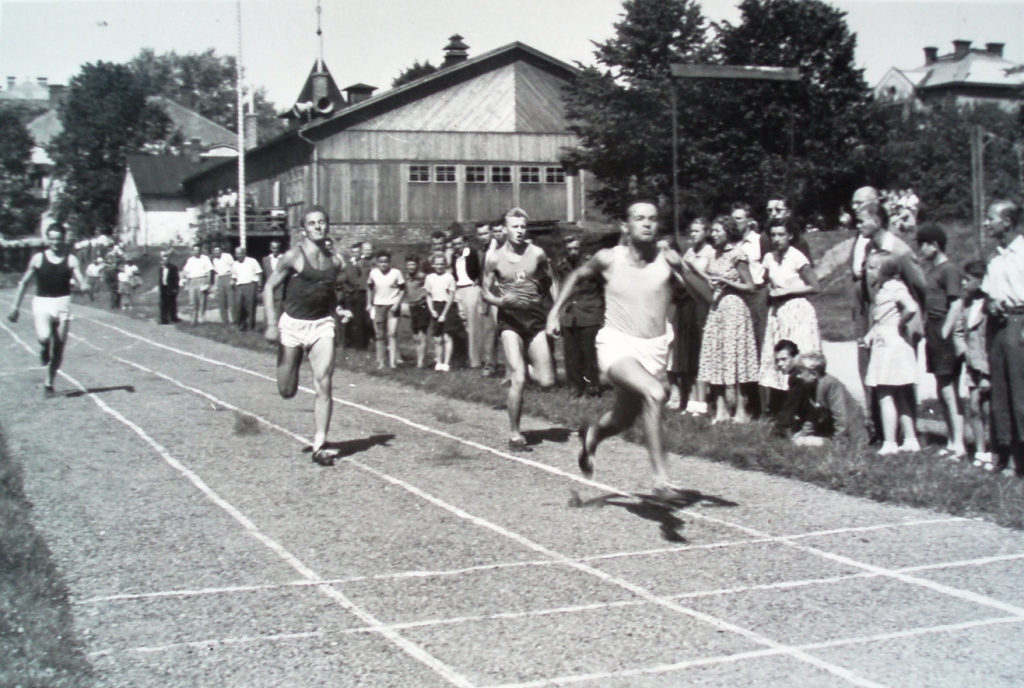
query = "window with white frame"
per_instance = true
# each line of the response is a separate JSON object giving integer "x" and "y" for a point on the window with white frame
{"x": 444, "y": 174}
{"x": 529, "y": 175}
{"x": 501, "y": 175}
{"x": 419, "y": 173}
{"x": 554, "y": 175}
{"x": 476, "y": 174}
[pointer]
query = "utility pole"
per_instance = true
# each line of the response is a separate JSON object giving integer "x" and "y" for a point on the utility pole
{"x": 742, "y": 72}
{"x": 978, "y": 182}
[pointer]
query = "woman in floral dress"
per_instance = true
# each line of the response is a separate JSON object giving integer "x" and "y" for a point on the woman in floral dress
{"x": 728, "y": 354}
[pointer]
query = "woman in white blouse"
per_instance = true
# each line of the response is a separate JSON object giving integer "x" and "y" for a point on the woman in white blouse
{"x": 791, "y": 316}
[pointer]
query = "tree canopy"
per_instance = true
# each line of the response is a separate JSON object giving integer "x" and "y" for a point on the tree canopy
{"x": 105, "y": 116}
{"x": 732, "y": 134}
{"x": 19, "y": 210}
{"x": 204, "y": 82}
{"x": 416, "y": 71}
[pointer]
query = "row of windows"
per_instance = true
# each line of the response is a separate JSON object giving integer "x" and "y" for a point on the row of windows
{"x": 478, "y": 174}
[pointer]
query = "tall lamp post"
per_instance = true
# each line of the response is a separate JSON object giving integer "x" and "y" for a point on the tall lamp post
{"x": 241, "y": 132}
{"x": 742, "y": 72}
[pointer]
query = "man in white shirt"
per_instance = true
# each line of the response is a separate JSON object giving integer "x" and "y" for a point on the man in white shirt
{"x": 757, "y": 301}
{"x": 198, "y": 275}
{"x": 93, "y": 273}
{"x": 222, "y": 262}
{"x": 246, "y": 276}
{"x": 1004, "y": 287}
{"x": 466, "y": 266}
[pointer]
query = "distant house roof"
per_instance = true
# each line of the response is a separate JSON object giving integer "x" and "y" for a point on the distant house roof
{"x": 161, "y": 175}
{"x": 43, "y": 128}
{"x": 525, "y": 110}
{"x": 965, "y": 66}
{"x": 26, "y": 90}
{"x": 195, "y": 126}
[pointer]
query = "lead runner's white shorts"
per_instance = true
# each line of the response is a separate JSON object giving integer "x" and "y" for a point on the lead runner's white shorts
{"x": 304, "y": 333}
{"x": 47, "y": 309}
{"x": 613, "y": 346}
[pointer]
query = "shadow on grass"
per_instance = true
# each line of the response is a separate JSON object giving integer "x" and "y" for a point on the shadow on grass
{"x": 99, "y": 390}
{"x": 655, "y": 508}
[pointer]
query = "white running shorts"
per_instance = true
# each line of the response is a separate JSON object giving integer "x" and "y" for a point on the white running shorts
{"x": 49, "y": 309}
{"x": 614, "y": 346}
{"x": 304, "y": 333}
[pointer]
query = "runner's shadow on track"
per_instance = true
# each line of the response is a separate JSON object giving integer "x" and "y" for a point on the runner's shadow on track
{"x": 350, "y": 447}
{"x": 99, "y": 390}
{"x": 560, "y": 435}
{"x": 655, "y": 508}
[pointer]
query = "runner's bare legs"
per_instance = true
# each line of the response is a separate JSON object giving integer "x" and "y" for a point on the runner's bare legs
{"x": 321, "y": 358}
{"x": 637, "y": 393}
{"x": 58, "y": 340}
{"x": 540, "y": 369}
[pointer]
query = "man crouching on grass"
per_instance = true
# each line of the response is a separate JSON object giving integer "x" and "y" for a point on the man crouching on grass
{"x": 633, "y": 344}
{"x": 307, "y": 324}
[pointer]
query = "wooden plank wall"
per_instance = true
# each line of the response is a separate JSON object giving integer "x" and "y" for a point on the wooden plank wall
{"x": 413, "y": 146}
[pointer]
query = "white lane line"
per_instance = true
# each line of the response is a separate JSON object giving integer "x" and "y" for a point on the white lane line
{"x": 637, "y": 590}
{"x": 725, "y": 659}
{"x": 407, "y": 646}
{"x": 213, "y": 642}
{"x": 936, "y": 587}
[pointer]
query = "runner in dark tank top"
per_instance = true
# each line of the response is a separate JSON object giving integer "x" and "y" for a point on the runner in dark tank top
{"x": 308, "y": 322}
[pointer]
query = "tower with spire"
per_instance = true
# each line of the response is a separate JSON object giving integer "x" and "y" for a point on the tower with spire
{"x": 320, "y": 95}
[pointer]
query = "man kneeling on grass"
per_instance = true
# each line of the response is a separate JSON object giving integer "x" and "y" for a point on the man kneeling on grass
{"x": 824, "y": 409}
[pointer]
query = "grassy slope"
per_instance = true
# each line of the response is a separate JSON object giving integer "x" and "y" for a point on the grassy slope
{"x": 38, "y": 646}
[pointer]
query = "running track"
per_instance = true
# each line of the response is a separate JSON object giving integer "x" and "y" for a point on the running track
{"x": 202, "y": 547}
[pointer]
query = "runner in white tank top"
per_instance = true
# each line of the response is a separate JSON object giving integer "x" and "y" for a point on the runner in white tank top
{"x": 632, "y": 347}
{"x": 521, "y": 275}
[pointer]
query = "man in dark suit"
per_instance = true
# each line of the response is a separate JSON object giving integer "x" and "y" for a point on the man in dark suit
{"x": 168, "y": 287}
{"x": 269, "y": 266}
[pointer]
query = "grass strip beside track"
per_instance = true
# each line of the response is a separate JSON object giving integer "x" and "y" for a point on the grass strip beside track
{"x": 922, "y": 480}
{"x": 38, "y": 646}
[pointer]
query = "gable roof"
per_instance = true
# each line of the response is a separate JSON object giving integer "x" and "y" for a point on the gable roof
{"x": 443, "y": 80}
{"x": 195, "y": 126}
{"x": 161, "y": 175}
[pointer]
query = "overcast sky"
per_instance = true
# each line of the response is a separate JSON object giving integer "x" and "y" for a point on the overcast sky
{"x": 370, "y": 41}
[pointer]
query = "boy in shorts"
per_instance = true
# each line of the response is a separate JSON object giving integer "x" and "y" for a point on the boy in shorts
{"x": 969, "y": 331}
{"x": 419, "y": 313}
{"x": 386, "y": 289}
{"x": 942, "y": 289}
{"x": 440, "y": 286}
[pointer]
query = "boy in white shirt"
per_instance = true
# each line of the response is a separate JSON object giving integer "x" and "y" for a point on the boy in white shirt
{"x": 440, "y": 286}
{"x": 386, "y": 290}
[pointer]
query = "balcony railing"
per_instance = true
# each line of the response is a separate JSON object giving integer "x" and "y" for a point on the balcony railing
{"x": 222, "y": 223}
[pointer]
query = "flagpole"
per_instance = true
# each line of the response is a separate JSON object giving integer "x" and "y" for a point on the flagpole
{"x": 241, "y": 132}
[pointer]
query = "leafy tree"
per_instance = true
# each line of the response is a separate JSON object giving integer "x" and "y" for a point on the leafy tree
{"x": 204, "y": 82}
{"x": 621, "y": 109}
{"x": 834, "y": 117}
{"x": 416, "y": 71}
{"x": 19, "y": 210}
{"x": 105, "y": 116}
{"x": 928, "y": 150}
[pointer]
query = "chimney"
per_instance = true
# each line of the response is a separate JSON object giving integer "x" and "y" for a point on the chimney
{"x": 193, "y": 149}
{"x": 57, "y": 92}
{"x": 994, "y": 49}
{"x": 931, "y": 55}
{"x": 960, "y": 49}
{"x": 357, "y": 93}
{"x": 42, "y": 81}
{"x": 455, "y": 52}
{"x": 11, "y": 80}
{"x": 252, "y": 130}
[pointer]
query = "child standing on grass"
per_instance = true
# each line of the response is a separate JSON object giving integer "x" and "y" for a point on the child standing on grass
{"x": 968, "y": 328}
{"x": 440, "y": 286}
{"x": 386, "y": 287}
{"x": 419, "y": 312}
{"x": 892, "y": 365}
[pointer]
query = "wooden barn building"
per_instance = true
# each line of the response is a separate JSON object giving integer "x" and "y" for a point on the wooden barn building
{"x": 465, "y": 143}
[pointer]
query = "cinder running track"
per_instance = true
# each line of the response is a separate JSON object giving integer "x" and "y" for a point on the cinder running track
{"x": 202, "y": 547}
